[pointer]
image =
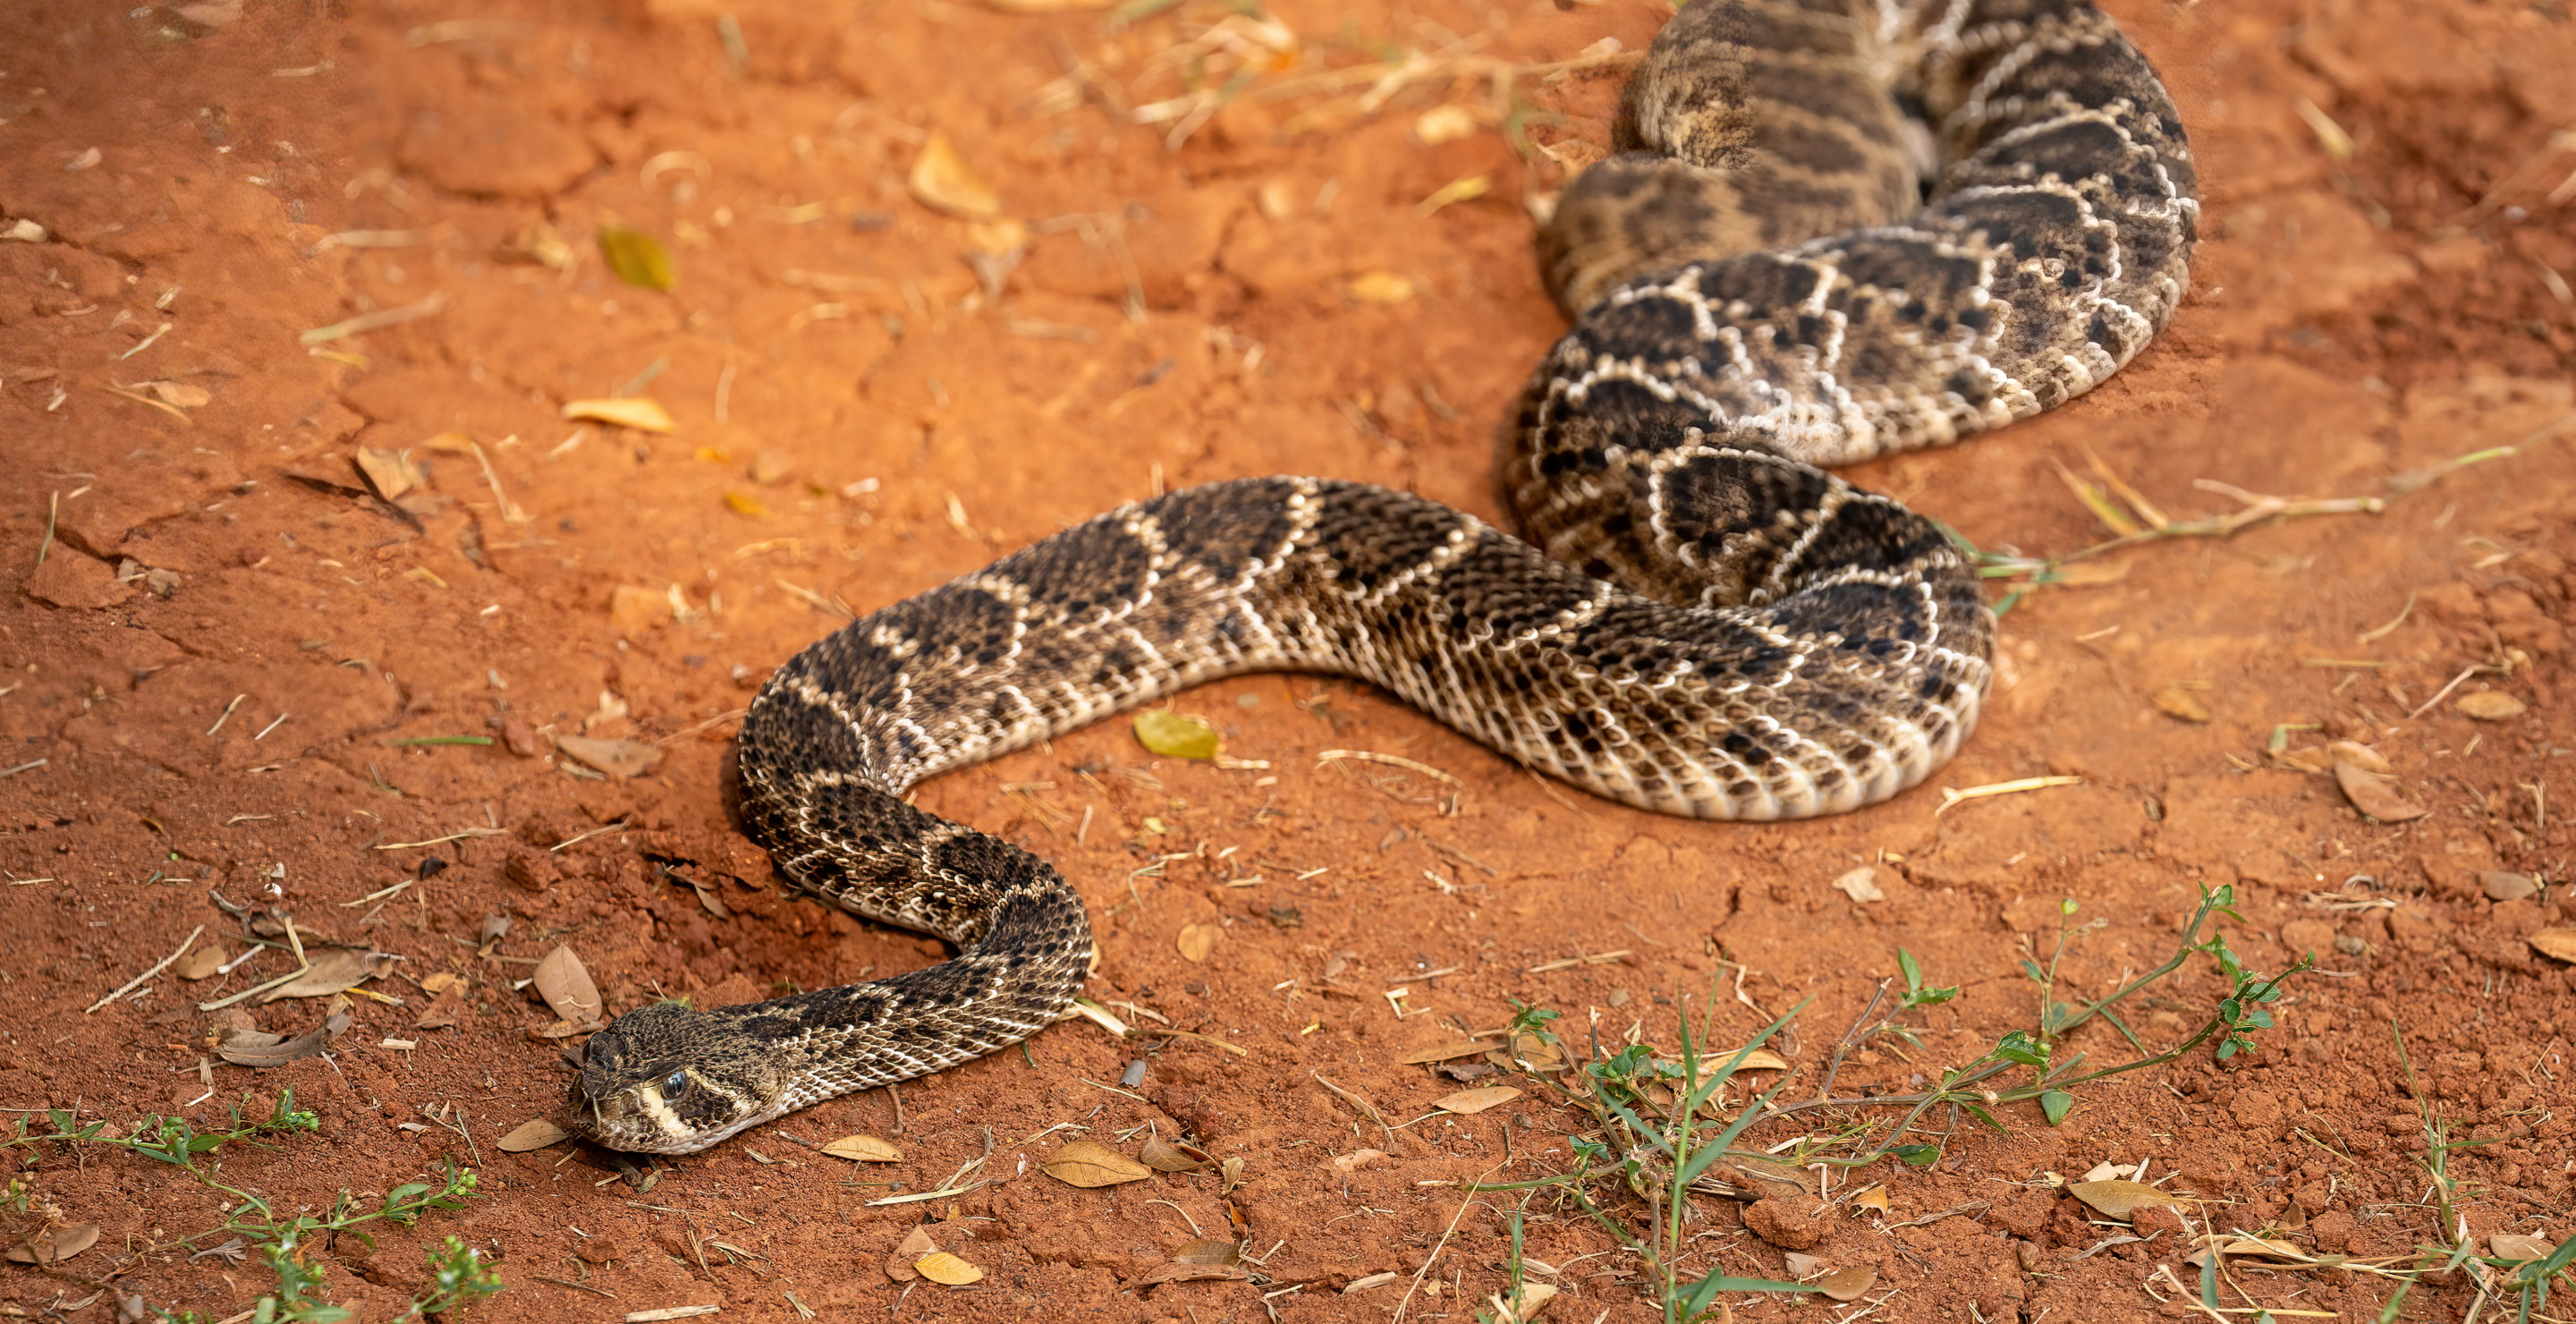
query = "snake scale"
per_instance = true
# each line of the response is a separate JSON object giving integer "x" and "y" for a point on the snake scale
{"x": 1829, "y": 229}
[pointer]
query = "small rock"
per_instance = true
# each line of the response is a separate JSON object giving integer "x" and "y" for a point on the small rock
{"x": 634, "y": 609}
{"x": 598, "y": 1250}
{"x": 1787, "y": 1222}
{"x": 2148, "y": 1220}
{"x": 519, "y": 736}
{"x": 69, "y": 579}
{"x": 2333, "y": 1230}
{"x": 530, "y": 870}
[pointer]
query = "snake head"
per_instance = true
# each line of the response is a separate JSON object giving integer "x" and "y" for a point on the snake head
{"x": 666, "y": 1079}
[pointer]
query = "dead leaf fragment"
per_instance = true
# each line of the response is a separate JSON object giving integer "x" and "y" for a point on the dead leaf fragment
{"x": 1194, "y": 1273}
{"x": 1205, "y": 1251}
{"x": 2502, "y": 886}
{"x": 2180, "y": 701}
{"x": 864, "y": 1149}
{"x": 1175, "y": 735}
{"x": 2519, "y": 1246}
{"x": 54, "y": 1245}
{"x": 916, "y": 1244}
{"x": 1380, "y": 287}
{"x": 1523, "y": 1305}
{"x": 1088, "y": 1163}
{"x": 1164, "y": 1156}
{"x": 941, "y": 182}
{"x": 533, "y": 1135}
{"x": 941, "y": 1267}
{"x": 641, "y": 413}
{"x": 200, "y": 963}
{"x": 2556, "y": 944}
{"x": 391, "y": 473}
{"x": 617, "y": 758}
{"x": 2120, "y": 1199}
{"x": 2376, "y": 794}
{"x": 258, "y": 1048}
{"x": 1861, "y": 885}
{"x": 1847, "y": 1284}
{"x": 1467, "y": 1103}
{"x": 332, "y": 970}
{"x": 1197, "y": 941}
{"x": 1447, "y": 1052}
{"x": 565, "y": 984}
{"x": 1873, "y": 1198}
{"x": 2490, "y": 706}
{"x": 1442, "y": 124}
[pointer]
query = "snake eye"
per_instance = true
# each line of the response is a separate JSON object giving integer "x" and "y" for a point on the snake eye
{"x": 675, "y": 1085}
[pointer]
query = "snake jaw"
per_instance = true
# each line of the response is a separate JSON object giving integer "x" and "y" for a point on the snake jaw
{"x": 659, "y": 1080}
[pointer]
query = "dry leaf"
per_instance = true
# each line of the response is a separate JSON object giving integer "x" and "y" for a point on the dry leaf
{"x": 565, "y": 984}
{"x": 257, "y": 1048}
{"x": 746, "y": 505}
{"x": 444, "y": 1009}
{"x": 916, "y": 1244}
{"x": 2557, "y": 944}
{"x": 1164, "y": 1156}
{"x": 1447, "y": 1052}
{"x": 617, "y": 758}
{"x": 1765, "y": 1179}
{"x": 941, "y": 1267}
{"x": 441, "y": 982}
{"x": 1229, "y": 1176}
{"x": 2246, "y": 1246}
{"x": 533, "y": 1135}
{"x": 636, "y": 258}
{"x": 390, "y": 473}
{"x": 2120, "y": 1199}
{"x": 1467, "y": 1103}
{"x": 539, "y": 243}
{"x": 2359, "y": 755}
{"x": 2518, "y": 1246}
{"x": 180, "y": 394}
{"x": 1176, "y": 736}
{"x": 54, "y": 1245}
{"x": 2502, "y": 886}
{"x": 1381, "y": 287}
{"x": 1088, "y": 1163}
{"x": 1523, "y": 1305}
{"x": 2485, "y": 705}
{"x": 1847, "y": 1284}
{"x": 1197, "y": 940}
{"x": 1205, "y": 1251}
{"x": 2376, "y": 794}
{"x": 864, "y": 1149}
{"x": 638, "y": 412}
{"x": 1861, "y": 885}
{"x": 200, "y": 963}
{"x": 2179, "y": 700}
{"x": 941, "y": 182}
{"x": 332, "y": 970}
{"x": 1801, "y": 1266}
{"x": 1873, "y": 1198}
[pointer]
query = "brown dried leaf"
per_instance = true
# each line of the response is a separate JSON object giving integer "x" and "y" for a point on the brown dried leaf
{"x": 2490, "y": 706}
{"x": 2376, "y": 794}
{"x": 941, "y": 182}
{"x": 200, "y": 963}
{"x": 1802, "y": 1266}
{"x": 1447, "y": 1052}
{"x": 1229, "y": 1176}
{"x": 390, "y": 473}
{"x": 565, "y": 984}
{"x": 1467, "y": 1103}
{"x": 1205, "y": 1251}
{"x": 1164, "y": 1156}
{"x": 1197, "y": 941}
{"x": 533, "y": 1135}
{"x": 1873, "y": 1198}
{"x": 916, "y": 1244}
{"x": 2518, "y": 1246}
{"x": 444, "y": 1009}
{"x": 333, "y": 970}
{"x": 2360, "y": 756}
{"x": 441, "y": 982}
{"x": 2120, "y": 1199}
{"x": 864, "y": 1149}
{"x": 54, "y": 1245}
{"x": 256, "y": 1048}
{"x": 2557, "y": 944}
{"x": 941, "y": 1267}
{"x": 1088, "y": 1163}
{"x": 2502, "y": 886}
{"x": 1764, "y": 1179}
{"x": 1847, "y": 1284}
{"x": 1524, "y": 1305}
{"x": 2179, "y": 700}
{"x": 617, "y": 758}
{"x": 1861, "y": 885}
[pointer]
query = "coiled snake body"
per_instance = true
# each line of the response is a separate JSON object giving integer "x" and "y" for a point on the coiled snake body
{"x": 1831, "y": 230}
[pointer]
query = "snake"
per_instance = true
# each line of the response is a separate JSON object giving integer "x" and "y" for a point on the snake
{"x": 1825, "y": 230}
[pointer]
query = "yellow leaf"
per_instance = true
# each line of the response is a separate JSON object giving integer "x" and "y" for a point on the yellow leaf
{"x": 746, "y": 505}
{"x": 1381, "y": 287}
{"x": 864, "y": 1149}
{"x": 641, "y": 413}
{"x": 1197, "y": 941}
{"x": 1170, "y": 733}
{"x": 941, "y": 182}
{"x": 941, "y": 1267}
{"x": 2488, "y": 705}
{"x": 637, "y": 258}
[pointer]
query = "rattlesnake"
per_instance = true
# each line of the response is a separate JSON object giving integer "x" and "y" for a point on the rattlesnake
{"x": 1830, "y": 231}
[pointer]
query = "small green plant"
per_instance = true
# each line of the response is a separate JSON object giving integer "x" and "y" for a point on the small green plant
{"x": 1655, "y": 1129}
{"x": 281, "y": 1241}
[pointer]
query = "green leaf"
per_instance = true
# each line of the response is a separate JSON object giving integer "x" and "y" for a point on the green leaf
{"x": 2055, "y": 1104}
{"x": 2019, "y": 1048}
{"x": 1920, "y": 1156}
{"x": 1169, "y": 733}
{"x": 636, "y": 257}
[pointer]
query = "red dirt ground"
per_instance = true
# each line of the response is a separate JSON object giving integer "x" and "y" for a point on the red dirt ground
{"x": 857, "y": 420}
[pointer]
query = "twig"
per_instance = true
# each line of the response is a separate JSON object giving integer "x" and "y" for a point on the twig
{"x": 2445, "y": 691}
{"x": 1951, "y": 797}
{"x": 53, "y": 515}
{"x": 440, "y": 841}
{"x": 375, "y": 321}
{"x": 158, "y": 967}
{"x": 509, "y": 512}
{"x": 1445, "y": 1234}
{"x": 1396, "y": 760}
{"x": 1367, "y": 1109}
